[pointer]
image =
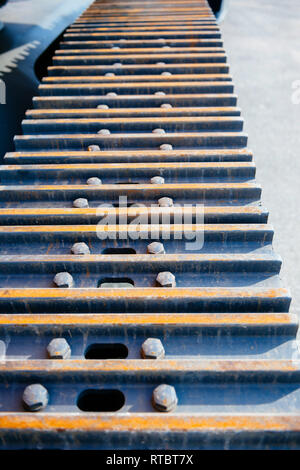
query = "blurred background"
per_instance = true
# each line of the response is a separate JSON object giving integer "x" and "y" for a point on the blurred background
{"x": 262, "y": 41}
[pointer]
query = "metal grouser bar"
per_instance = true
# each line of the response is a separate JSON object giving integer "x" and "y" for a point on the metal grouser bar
{"x": 140, "y": 298}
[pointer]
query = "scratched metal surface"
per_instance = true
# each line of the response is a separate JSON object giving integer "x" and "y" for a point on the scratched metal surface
{"x": 229, "y": 340}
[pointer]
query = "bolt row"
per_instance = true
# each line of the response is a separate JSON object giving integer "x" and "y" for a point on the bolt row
{"x": 96, "y": 148}
{"x": 152, "y": 348}
{"x": 155, "y": 131}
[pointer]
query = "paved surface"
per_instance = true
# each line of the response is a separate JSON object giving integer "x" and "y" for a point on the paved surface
{"x": 262, "y": 40}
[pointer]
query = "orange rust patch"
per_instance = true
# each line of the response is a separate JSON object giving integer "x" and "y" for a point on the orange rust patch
{"x": 126, "y": 153}
{"x": 226, "y": 228}
{"x": 137, "y": 422}
{"x": 145, "y": 293}
{"x": 183, "y": 319}
{"x": 149, "y": 366}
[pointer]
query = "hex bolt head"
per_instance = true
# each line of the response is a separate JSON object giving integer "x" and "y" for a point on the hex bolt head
{"x": 117, "y": 64}
{"x": 63, "y": 280}
{"x": 166, "y": 279}
{"x": 160, "y": 63}
{"x": 166, "y": 106}
{"x": 161, "y": 40}
{"x": 156, "y": 248}
{"x": 102, "y": 106}
{"x": 59, "y": 348}
{"x": 159, "y": 93}
{"x": 157, "y": 180}
{"x": 164, "y": 398}
{"x": 158, "y": 131}
{"x": 166, "y": 147}
{"x": 94, "y": 148}
{"x": 35, "y": 397}
{"x": 104, "y": 132}
{"x": 152, "y": 348}
{"x": 81, "y": 203}
{"x": 80, "y": 248}
{"x": 110, "y": 74}
{"x": 94, "y": 181}
{"x": 166, "y": 74}
{"x": 165, "y": 202}
{"x": 115, "y": 47}
{"x": 166, "y": 47}
{"x": 111, "y": 93}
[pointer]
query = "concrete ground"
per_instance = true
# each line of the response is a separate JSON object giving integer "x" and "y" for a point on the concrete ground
{"x": 263, "y": 46}
{"x": 262, "y": 41}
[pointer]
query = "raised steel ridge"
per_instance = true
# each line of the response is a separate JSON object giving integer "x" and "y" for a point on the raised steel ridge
{"x": 224, "y": 340}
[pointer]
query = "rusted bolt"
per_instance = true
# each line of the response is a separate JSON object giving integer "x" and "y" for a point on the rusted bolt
{"x": 158, "y": 131}
{"x": 165, "y": 202}
{"x": 111, "y": 93}
{"x": 35, "y": 397}
{"x": 102, "y": 106}
{"x": 63, "y": 280}
{"x": 104, "y": 132}
{"x": 157, "y": 180}
{"x": 166, "y": 279}
{"x": 166, "y": 74}
{"x": 160, "y": 93}
{"x": 81, "y": 203}
{"x": 59, "y": 348}
{"x": 117, "y": 64}
{"x": 94, "y": 148}
{"x": 110, "y": 74}
{"x": 80, "y": 248}
{"x": 164, "y": 398}
{"x": 156, "y": 248}
{"x": 166, "y": 106}
{"x": 166, "y": 147}
{"x": 152, "y": 348}
{"x": 160, "y": 63}
{"x": 94, "y": 180}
